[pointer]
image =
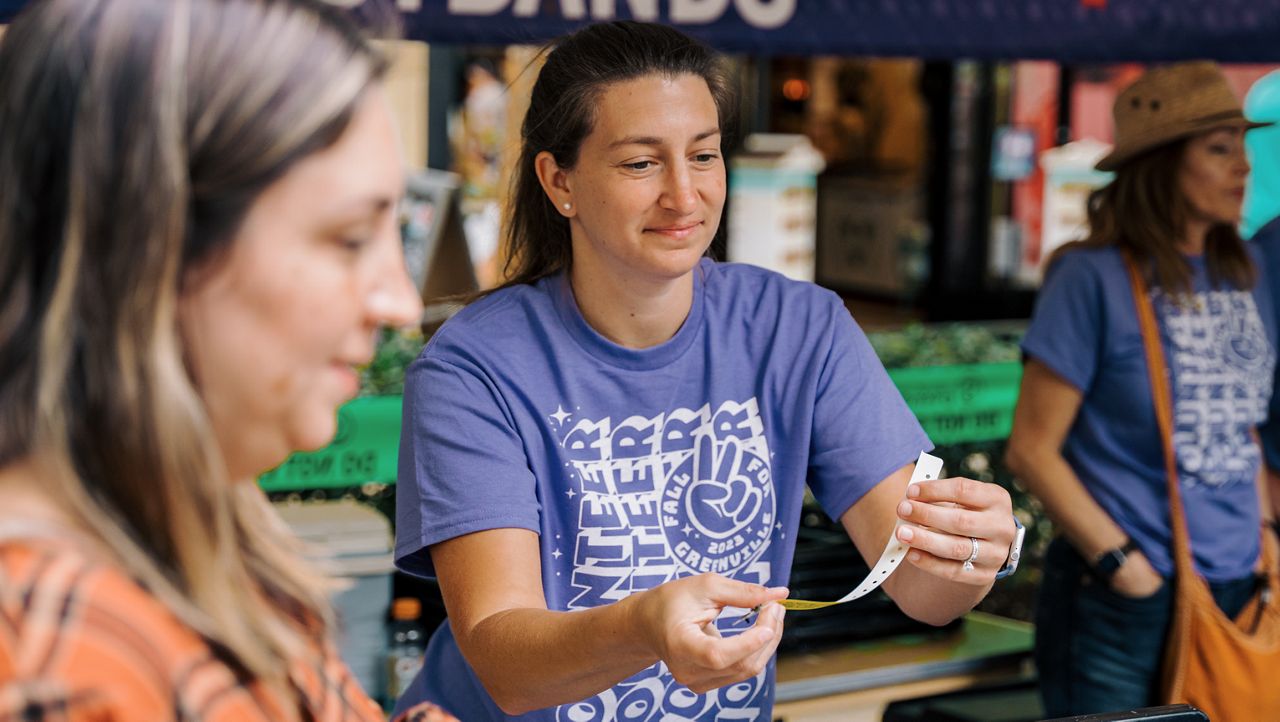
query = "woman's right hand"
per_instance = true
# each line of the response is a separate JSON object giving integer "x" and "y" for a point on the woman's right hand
{"x": 1136, "y": 578}
{"x": 678, "y": 619}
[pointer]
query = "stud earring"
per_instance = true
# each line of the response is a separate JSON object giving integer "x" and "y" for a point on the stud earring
{"x": 567, "y": 206}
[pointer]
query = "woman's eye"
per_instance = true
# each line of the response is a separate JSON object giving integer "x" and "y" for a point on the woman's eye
{"x": 638, "y": 165}
{"x": 706, "y": 157}
{"x": 352, "y": 244}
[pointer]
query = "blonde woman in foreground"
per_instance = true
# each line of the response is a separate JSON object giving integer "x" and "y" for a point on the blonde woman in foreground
{"x": 197, "y": 244}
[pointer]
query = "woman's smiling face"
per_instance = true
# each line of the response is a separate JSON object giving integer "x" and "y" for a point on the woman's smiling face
{"x": 648, "y": 189}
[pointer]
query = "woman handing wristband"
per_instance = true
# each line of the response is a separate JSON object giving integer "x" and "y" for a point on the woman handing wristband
{"x": 602, "y": 456}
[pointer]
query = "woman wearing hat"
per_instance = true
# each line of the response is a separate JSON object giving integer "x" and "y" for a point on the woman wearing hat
{"x": 1085, "y": 438}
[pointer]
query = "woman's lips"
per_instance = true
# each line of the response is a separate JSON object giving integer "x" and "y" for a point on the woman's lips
{"x": 348, "y": 379}
{"x": 677, "y": 232}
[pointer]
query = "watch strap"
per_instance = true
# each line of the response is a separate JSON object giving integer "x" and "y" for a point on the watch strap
{"x": 1109, "y": 562}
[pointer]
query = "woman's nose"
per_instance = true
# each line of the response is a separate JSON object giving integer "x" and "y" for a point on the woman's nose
{"x": 394, "y": 300}
{"x": 681, "y": 195}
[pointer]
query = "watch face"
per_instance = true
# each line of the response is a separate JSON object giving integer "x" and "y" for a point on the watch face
{"x": 1110, "y": 562}
{"x": 1015, "y": 551}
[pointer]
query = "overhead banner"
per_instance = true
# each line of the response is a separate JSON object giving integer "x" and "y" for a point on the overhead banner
{"x": 1063, "y": 30}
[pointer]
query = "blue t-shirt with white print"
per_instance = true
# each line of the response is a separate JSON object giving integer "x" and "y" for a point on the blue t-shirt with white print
{"x": 636, "y": 467}
{"x": 1220, "y": 351}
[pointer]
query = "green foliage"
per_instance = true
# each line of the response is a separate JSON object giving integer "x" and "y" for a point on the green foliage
{"x": 947, "y": 343}
{"x": 385, "y": 374}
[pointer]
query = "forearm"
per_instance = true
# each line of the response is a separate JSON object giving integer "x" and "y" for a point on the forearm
{"x": 929, "y": 598}
{"x": 533, "y": 658}
{"x": 530, "y": 658}
{"x": 1270, "y": 494}
{"x": 1048, "y": 476}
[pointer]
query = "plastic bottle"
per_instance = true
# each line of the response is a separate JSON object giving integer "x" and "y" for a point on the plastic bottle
{"x": 406, "y": 647}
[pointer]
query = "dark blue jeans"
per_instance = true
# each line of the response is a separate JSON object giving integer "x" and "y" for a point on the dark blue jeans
{"x": 1098, "y": 651}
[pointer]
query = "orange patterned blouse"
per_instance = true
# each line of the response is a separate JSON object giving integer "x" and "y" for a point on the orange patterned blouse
{"x": 80, "y": 641}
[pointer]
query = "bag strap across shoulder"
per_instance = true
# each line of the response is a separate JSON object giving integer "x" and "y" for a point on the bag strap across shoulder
{"x": 1158, "y": 374}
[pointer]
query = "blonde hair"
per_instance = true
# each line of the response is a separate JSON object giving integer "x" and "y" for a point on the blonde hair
{"x": 134, "y": 136}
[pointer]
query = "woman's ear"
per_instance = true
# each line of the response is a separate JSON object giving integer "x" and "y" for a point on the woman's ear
{"x": 555, "y": 183}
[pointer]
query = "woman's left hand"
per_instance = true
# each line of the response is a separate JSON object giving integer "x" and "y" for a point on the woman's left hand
{"x": 946, "y": 519}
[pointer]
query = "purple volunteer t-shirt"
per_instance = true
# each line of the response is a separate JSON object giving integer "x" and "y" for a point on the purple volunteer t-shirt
{"x": 636, "y": 467}
{"x": 1220, "y": 351}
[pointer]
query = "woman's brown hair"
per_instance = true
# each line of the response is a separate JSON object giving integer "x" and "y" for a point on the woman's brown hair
{"x": 1143, "y": 211}
{"x": 134, "y": 137}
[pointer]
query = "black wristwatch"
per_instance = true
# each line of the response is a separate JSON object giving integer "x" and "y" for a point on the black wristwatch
{"x": 1110, "y": 561}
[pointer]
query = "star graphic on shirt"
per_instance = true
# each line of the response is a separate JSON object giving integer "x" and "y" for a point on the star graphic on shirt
{"x": 569, "y": 493}
{"x": 560, "y": 415}
{"x": 687, "y": 530}
{"x": 778, "y": 526}
{"x": 556, "y": 554}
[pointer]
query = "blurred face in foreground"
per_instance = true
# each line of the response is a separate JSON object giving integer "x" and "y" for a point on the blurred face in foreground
{"x": 276, "y": 328}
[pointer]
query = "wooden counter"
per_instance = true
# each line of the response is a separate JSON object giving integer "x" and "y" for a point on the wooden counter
{"x": 856, "y": 682}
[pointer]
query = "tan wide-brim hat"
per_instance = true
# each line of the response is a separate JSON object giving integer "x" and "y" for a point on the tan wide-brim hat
{"x": 1169, "y": 103}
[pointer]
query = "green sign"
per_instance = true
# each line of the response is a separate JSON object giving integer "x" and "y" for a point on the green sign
{"x": 963, "y": 402}
{"x": 365, "y": 449}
